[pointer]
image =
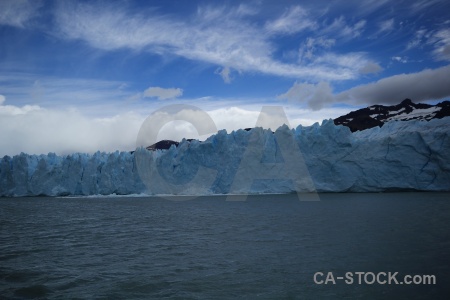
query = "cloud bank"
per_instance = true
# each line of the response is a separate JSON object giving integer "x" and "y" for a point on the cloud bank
{"x": 35, "y": 130}
{"x": 421, "y": 86}
{"x": 425, "y": 85}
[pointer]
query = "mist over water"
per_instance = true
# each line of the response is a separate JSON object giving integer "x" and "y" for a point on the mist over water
{"x": 269, "y": 246}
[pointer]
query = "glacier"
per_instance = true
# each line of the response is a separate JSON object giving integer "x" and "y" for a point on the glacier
{"x": 400, "y": 156}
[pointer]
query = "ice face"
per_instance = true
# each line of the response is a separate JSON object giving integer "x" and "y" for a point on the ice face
{"x": 407, "y": 155}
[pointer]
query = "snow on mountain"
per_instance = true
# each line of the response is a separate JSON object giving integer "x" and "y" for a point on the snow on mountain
{"x": 411, "y": 155}
{"x": 377, "y": 115}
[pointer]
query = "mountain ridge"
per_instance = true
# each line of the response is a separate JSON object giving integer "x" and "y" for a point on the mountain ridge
{"x": 378, "y": 115}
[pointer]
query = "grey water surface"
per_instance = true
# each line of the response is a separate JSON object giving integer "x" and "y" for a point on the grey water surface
{"x": 267, "y": 247}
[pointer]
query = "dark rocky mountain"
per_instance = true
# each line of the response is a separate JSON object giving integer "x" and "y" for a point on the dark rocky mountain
{"x": 164, "y": 144}
{"x": 377, "y": 115}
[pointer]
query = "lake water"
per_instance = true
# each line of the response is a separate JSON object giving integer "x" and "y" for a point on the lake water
{"x": 266, "y": 247}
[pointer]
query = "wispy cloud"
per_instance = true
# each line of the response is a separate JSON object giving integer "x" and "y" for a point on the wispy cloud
{"x": 386, "y": 26}
{"x": 417, "y": 40}
{"x": 421, "y": 5}
{"x": 225, "y": 73}
{"x": 364, "y": 8}
{"x": 219, "y": 36}
{"x": 314, "y": 46}
{"x": 162, "y": 93}
{"x": 293, "y": 20}
{"x": 441, "y": 42}
{"x": 402, "y": 59}
{"x": 50, "y": 91}
{"x": 18, "y": 13}
{"x": 340, "y": 27}
{"x": 438, "y": 39}
{"x": 356, "y": 61}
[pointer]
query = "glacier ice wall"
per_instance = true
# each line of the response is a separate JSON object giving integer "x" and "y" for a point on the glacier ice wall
{"x": 76, "y": 174}
{"x": 406, "y": 155}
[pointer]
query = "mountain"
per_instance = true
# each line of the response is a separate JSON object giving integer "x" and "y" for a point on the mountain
{"x": 162, "y": 145}
{"x": 378, "y": 115}
{"x": 400, "y": 156}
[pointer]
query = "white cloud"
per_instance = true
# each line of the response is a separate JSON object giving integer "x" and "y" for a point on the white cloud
{"x": 367, "y": 7}
{"x": 239, "y": 117}
{"x": 246, "y": 10}
{"x": 2, "y": 99}
{"x": 402, "y": 59}
{"x": 357, "y": 62}
{"x": 314, "y": 52}
{"x": 306, "y": 117}
{"x": 386, "y": 26}
{"x": 371, "y": 67}
{"x": 421, "y": 86}
{"x": 56, "y": 92}
{"x": 308, "y": 50}
{"x": 314, "y": 95}
{"x": 220, "y": 36}
{"x": 323, "y": 42}
{"x": 293, "y": 20}
{"x": 18, "y": 13}
{"x": 422, "y": 5}
{"x": 16, "y": 110}
{"x": 425, "y": 85}
{"x": 225, "y": 74}
{"x": 175, "y": 124}
{"x": 438, "y": 39}
{"x": 66, "y": 131}
{"x": 341, "y": 28}
{"x": 35, "y": 130}
{"x": 417, "y": 40}
{"x": 162, "y": 93}
{"x": 357, "y": 29}
{"x": 441, "y": 42}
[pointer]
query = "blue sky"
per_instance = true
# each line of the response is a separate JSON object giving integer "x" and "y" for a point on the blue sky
{"x": 83, "y": 75}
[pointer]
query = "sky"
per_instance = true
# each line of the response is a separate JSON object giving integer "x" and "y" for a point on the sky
{"x": 82, "y": 76}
